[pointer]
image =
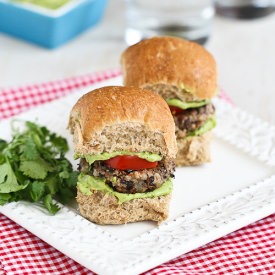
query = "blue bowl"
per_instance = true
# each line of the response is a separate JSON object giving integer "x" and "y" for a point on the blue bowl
{"x": 49, "y": 28}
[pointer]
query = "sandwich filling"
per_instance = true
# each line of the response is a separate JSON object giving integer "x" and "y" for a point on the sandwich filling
{"x": 192, "y": 116}
{"x": 131, "y": 178}
{"x": 150, "y": 157}
{"x": 87, "y": 184}
{"x": 194, "y": 121}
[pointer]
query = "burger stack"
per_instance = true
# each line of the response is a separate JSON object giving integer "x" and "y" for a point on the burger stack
{"x": 126, "y": 153}
{"x": 185, "y": 75}
{"x": 129, "y": 139}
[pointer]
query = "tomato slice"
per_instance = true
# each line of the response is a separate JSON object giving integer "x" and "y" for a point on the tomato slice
{"x": 175, "y": 110}
{"x": 130, "y": 163}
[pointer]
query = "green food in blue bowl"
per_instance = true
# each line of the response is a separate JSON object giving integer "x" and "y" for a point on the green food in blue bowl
{"x": 49, "y": 4}
{"x": 49, "y": 23}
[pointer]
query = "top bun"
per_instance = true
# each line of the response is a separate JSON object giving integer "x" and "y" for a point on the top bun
{"x": 171, "y": 61}
{"x": 118, "y": 118}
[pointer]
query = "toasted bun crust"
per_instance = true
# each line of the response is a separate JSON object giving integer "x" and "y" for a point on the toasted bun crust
{"x": 171, "y": 61}
{"x": 194, "y": 150}
{"x": 118, "y": 118}
{"x": 102, "y": 208}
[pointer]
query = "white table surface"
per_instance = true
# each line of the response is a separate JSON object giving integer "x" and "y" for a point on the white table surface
{"x": 244, "y": 50}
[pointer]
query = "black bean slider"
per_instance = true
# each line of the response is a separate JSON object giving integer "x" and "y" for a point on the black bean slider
{"x": 185, "y": 75}
{"x": 125, "y": 139}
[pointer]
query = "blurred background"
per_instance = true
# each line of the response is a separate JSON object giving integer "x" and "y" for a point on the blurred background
{"x": 244, "y": 50}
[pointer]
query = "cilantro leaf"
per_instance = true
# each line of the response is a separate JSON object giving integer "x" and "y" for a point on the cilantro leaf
{"x": 72, "y": 180}
{"x": 3, "y": 144}
{"x": 51, "y": 184}
{"x": 34, "y": 128}
{"x": 37, "y": 190}
{"x": 29, "y": 150}
{"x": 35, "y": 169}
{"x": 8, "y": 181}
{"x": 53, "y": 208}
{"x": 59, "y": 142}
{"x": 4, "y": 198}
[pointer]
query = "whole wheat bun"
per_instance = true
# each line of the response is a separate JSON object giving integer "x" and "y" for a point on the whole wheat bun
{"x": 194, "y": 150}
{"x": 172, "y": 63}
{"x": 102, "y": 208}
{"x": 116, "y": 118}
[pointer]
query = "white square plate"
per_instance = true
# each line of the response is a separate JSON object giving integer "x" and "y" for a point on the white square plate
{"x": 208, "y": 201}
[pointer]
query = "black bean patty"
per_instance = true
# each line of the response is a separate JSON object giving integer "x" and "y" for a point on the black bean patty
{"x": 192, "y": 119}
{"x": 129, "y": 181}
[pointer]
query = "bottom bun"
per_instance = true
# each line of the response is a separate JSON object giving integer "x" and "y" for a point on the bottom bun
{"x": 102, "y": 208}
{"x": 194, "y": 150}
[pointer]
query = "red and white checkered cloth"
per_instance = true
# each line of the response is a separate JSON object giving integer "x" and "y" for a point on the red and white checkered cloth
{"x": 248, "y": 251}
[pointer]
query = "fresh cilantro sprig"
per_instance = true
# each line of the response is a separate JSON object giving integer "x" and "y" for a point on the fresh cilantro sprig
{"x": 33, "y": 167}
